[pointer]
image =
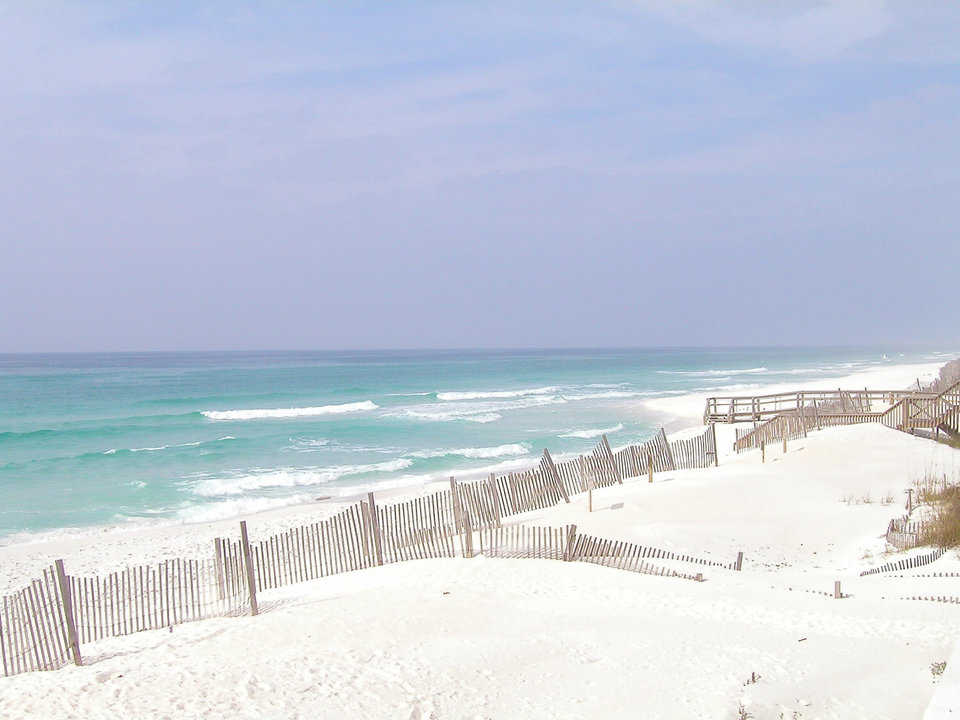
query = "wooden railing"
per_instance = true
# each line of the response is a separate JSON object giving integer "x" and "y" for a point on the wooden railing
{"x": 935, "y": 412}
{"x": 757, "y": 408}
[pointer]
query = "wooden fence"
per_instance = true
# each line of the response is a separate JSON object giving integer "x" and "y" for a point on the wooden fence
{"x": 906, "y": 563}
{"x": 43, "y": 625}
{"x": 563, "y": 543}
{"x": 905, "y": 534}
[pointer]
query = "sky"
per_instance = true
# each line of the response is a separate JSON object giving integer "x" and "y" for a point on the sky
{"x": 218, "y": 175}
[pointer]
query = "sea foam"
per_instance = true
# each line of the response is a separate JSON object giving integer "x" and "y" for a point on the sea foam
{"x": 512, "y": 449}
{"x": 595, "y": 432}
{"x": 494, "y": 394}
{"x": 238, "y": 483}
{"x": 258, "y": 414}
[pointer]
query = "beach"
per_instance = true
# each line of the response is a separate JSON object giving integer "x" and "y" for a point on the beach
{"x": 495, "y": 637}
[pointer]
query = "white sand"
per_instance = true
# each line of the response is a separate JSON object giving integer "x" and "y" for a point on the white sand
{"x": 546, "y": 639}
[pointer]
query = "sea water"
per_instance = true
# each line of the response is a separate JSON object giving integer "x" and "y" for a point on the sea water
{"x": 101, "y": 439}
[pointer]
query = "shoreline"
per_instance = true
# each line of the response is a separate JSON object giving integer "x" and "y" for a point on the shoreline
{"x": 584, "y": 639}
{"x": 99, "y": 548}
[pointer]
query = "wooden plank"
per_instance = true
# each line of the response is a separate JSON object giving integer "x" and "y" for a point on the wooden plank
{"x": 248, "y": 562}
{"x": 73, "y": 639}
{"x": 613, "y": 465}
{"x": 377, "y": 545}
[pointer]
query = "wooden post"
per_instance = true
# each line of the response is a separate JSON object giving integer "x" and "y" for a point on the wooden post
{"x": 457, "y": 510}
{"x": 590, "y": 495}
{"x": 610, "y": 458}
{"x": 375, "y": 530}
{"x": 836, "y": 590}
{"x": 699, "y": 577}
{"x": 909, "y": 500}
{"x": 666, "y": 444}
{"x": 365, "y": 529}
{"x": 716, "y": 453}
{"x": 552, "y": 470}
{"x": 468, "y": 536}
{"x": 816, "y": 413}
{"x": 739, "y": 564}
{"x": 763, "y": 451}
{"x": 783, "y": 431}
{"x": 218, "y": 567}
{"x": 494, "y": 496}
{"x": 650, "y": 465}
{"x": 248, "y": 564}
{"x": 68, "y": 613}
{"x": 571, "y": 543}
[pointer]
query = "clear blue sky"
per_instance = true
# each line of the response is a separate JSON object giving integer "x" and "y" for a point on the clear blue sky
{"x": 361, "y": 175}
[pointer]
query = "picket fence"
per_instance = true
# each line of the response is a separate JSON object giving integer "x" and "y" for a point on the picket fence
{"x": 43, "y": 625}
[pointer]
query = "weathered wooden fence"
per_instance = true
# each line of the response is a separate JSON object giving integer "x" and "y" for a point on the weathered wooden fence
{"x": 43, "y": 625}
{"x": 906, "y": 563}
{"x": 904, "y": 534}
{"x": 563, "y": 543}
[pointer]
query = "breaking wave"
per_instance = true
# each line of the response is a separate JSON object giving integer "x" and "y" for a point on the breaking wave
{"x": 259, "y": 414}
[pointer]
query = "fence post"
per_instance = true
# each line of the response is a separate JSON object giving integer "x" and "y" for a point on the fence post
{"x": 375, "y": 529}
{"x": 457, "y": 510}
{"x": 218, "y": 567}
{"x": 836, "y": 590}
{"x": 571, "y": 543}
{"x": 248, "y": 564}
{"x": 716, "y": 453}
{"x": 739, "y": 564}
{"x": 610, "y": 458}
{"x": 552, "y": 469}
{"x": 72, "y": 636}
{"x": 365, "y": 529}
{"x": 666, "y": 444}
{"x": 763, "y": 451}
{"x": 909, "y": 500}
{"x": 783, "y": 431}
{"x": 650, "y": 465}
{"x": 468, "y": 536}
{"x": 494, "y": 496}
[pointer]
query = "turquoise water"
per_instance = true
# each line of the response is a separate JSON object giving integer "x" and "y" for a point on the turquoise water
{"x": 115, "y": 438}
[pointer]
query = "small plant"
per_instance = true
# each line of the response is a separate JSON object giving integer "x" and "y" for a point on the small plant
{"x": 887, "y": 499}
{"x": 742, "y": 713}
{"x": 866, "y": 499}
{"x": 937, "y": 668}
{"x": 753, "y": 679}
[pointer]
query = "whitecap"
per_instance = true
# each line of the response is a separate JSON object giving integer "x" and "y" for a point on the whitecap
{"x": 592, "y": 433}
{"x": 494, "y": 394}
{"x": 237, "y": 483}
{"x": 258, "y": 414}
{"x": 708, "y": 373}
{"x": 509, "y": 450}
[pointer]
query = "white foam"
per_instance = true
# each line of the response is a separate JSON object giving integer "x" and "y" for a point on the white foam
{"x": 259, "y": 414}
{"x": 708, "y": 373}
{"x": 610, "y": 394}
{"x": 258, "y": 479}
{"x": 494, "y": 394}
{"x": 597, "y": 432}
{"x": 478, "y": 412}
{"x": 209, "y": 512}
{"x": 509, "y": 450}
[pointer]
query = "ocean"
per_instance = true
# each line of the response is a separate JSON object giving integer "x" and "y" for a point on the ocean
{"x": 105, "y": 439}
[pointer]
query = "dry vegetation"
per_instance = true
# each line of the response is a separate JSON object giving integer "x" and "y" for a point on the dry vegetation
{"x": 943, "y": 496}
